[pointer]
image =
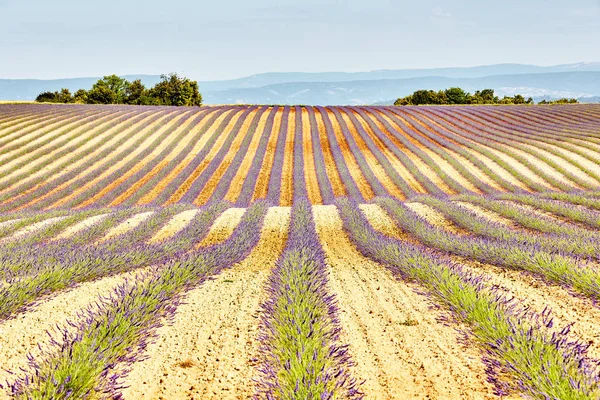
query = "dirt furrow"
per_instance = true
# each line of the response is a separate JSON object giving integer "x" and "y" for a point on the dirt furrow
{"x": 400, "y": 348}
{"x": 210, "y": 349}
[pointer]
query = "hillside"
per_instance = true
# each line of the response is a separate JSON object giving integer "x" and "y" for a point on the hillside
{"x": 330, "y": 88}
{"x": 80, "y": 155}
{"x": 288, "y": 252}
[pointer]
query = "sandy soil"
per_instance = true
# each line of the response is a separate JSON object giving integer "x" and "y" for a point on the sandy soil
{"x": 26, "y": 230}
{"x": 287, "y": 173}
{"x": 310, "y": 171}
{"x": 78, "y": 227}
{"x": 152, "y": 194}
{"x": 400, "y": 348}
{"x": 350, "y": 161}
{"x": 372, "y": 161}
{"x": 482, "y": 212}
{"x": 21, "y": 335}
{"x": 209, "y": 350}
{"x": 223, "y": 226}
{"x": 434, "y": 217}
{"x": 175, "y": 224}
{"x": 127, "y": 225}
{"x": 206, "y": 161}
{"x": 242, "y": 173}
{"x": 262, "y": 182}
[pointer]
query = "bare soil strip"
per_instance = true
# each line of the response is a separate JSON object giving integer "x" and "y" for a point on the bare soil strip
{"x": 338, "y": 187}
{"x": 127, "y": 225}
{"x": 78, "y": 227}
{"x": 400, "y": 348}
{"x": 434, "y": 217}
{"x": 223, "y": 226}
{"x": 30, "y": 229}
{"x": 175, "y": 224}
{"x": 210, "y": 349}
{"x": 287, "y": 174}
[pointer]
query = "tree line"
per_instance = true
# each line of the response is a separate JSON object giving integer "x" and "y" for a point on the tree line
{"x": 172, "y": 90}
{"x": 456, "y": 95}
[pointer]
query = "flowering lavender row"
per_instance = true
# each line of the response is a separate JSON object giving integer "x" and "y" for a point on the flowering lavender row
{"x": 522, "y": 351}
{"x": 108, "y": 198}
{"x": 509, "y": 253}
{"x": 176, "y": 118}
{"x": 74, "y": 178}
{"x": 345, "y": 176}
{"x": 529, "y": 219}
{"x": 250, "y": 182}
{"x": 574, "y": 198}
{"x": 225, "y": 181}
{"x": 381, "y": 158}
{"x": 466, "y": 140}
{"x": 301, "y": 357}
{"x": 60, "y": 267}
{"x": 588, "y": 217}
{"x": 586, "y": 247}
{"x": 92, "y": 354}
{"x": 481, "y": 131}
{"x": 173, "y": 186}
{"x": 274, "y": 190}
{"x": 437, "y": 143}
{"x": 199, "y": 184}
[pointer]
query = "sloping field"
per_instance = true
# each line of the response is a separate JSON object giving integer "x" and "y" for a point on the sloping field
{"x": 265, "y": 252}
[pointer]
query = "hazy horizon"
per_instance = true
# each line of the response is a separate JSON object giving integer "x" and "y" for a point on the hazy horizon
{"x": 217, "y": 41}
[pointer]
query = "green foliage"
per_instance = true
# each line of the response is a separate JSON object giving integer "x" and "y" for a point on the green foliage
{"x": 172, "y": 90}
{"x": 564, "y": 100}
{"x": 456, "y": 95}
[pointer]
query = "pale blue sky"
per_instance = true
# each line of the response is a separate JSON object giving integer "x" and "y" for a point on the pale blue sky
{"x": 209, "y": 40}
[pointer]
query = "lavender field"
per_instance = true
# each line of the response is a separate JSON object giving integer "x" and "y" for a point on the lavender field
{"x": 273, "y": 252}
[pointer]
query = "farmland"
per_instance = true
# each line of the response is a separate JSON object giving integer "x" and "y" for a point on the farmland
{"x": 299, "y": 252}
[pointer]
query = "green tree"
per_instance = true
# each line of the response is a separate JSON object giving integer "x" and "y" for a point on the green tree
{"x": 136, "y": 93}
{"x": 46, "y": 97}
{"x": 101, "y": 94}
{"x": 173, "y": 90}
{"x": 456, "y": 95}
{"x": 80, "y": 96}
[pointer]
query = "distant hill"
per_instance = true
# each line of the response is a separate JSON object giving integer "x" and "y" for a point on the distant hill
{"x": 568, "y": 80}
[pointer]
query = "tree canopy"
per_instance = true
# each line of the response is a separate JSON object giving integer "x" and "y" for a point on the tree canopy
{"x": 172, "y": 90}
{"x": 456, "y": 95}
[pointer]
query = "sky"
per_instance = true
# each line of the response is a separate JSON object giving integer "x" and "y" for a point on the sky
{"x": 214, "y": 40}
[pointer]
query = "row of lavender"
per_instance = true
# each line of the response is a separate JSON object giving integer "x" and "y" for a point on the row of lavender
{"x": 292, "y": 317}
{"x": 353, "y": 136}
